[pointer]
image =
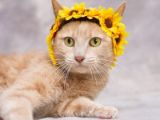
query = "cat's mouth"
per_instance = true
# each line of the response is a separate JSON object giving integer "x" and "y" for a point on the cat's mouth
{"x": 81, "y": 65}
{"x": 76, "y": 66}
{"x": 80, "y": 68}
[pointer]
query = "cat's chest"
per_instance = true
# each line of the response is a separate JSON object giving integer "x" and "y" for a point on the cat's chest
{"x": 82, "y": 86}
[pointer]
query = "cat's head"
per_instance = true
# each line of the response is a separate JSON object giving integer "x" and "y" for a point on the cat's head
{"x": 82, "y": 46}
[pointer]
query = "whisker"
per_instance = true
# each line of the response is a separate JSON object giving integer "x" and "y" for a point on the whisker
{"x": 91, "y": 72}
{"x": 67, "y": 74}
{"x": 92, "y": 69}
{"x": 100, "y": 74}
{"x": 101, "y": 69}
{"x": 101, "y": 59}
{"x": 63, "y": 70}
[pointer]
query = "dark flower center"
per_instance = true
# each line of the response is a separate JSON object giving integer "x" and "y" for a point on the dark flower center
{"x": 108, "y": 23}
{"x": 118, "y": 39}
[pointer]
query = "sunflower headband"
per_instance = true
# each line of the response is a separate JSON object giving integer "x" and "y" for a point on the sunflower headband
{"x": 109, "y": 21}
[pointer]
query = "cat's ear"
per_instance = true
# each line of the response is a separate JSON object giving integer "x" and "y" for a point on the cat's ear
{"x": 121, "y": 8}
{"x": 56, "y": 7}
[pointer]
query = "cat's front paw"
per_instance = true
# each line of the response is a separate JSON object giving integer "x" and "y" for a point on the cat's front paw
{"x": 106, "y": 112}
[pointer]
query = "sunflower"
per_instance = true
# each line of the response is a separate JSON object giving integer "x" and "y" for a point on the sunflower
{"x": 92, "y": 13}
{"x": 80, "y": 8}
{"x": 118, "y": 39}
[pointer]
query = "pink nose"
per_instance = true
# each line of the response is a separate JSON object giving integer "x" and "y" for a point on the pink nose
{"x": 79, "y": 59}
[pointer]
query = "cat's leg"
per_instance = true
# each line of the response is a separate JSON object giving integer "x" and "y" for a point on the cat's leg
{"x": 84, "y": 107}
{"x": 32, "y": 90}
{"x": 16, "y": 108}
{"x": 21, "y": 103}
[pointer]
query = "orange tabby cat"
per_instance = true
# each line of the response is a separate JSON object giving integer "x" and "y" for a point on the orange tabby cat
{"x": 32, "y": 87}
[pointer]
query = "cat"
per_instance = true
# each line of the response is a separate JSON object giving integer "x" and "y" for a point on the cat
{"x": 32, "y": 87}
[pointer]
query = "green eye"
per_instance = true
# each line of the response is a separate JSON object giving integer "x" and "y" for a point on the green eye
{"x": 95, "y": 42}
{"x": 69, "y": 41}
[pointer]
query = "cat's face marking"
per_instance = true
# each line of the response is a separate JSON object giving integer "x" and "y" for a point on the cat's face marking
{"x": 81, "y": 32}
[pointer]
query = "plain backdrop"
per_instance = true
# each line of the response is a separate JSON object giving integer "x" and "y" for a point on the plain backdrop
{"x": 134, "y": 85}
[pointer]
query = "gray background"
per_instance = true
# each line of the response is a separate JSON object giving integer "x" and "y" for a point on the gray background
{"x": 134, "y": 85}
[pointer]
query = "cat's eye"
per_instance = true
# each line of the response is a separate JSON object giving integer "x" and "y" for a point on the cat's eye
{"x": 69, "y": 41}
{"x": 95, "y": 42}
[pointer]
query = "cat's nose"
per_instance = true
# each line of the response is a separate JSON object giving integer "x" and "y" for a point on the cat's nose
{"x": 79, "y": 59}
